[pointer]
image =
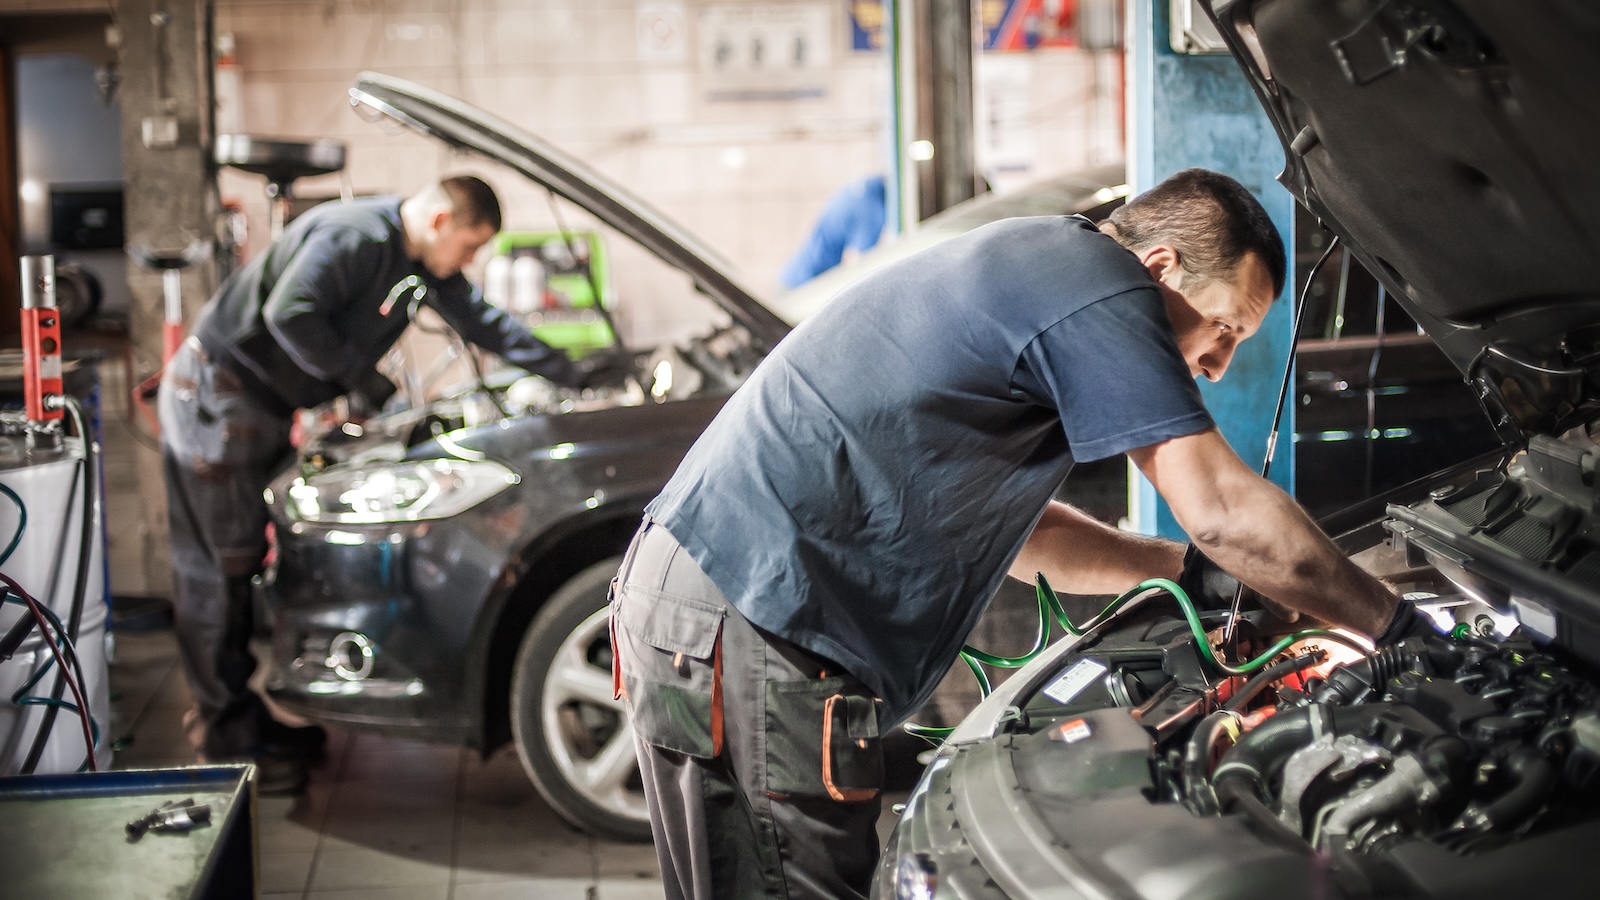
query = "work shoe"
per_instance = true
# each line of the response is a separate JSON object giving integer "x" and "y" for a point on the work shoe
{"x": 277, "y": 774}
{"x": 305, "y": 742}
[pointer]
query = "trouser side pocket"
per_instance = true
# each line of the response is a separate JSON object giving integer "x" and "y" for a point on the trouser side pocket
{"x": 669, "y": 651}
{"x": 823, "y": 741}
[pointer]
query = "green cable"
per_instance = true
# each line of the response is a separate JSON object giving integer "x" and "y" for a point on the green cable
{"x": 1193, "y": 616}
{"x": 1050, "y": 606}
{"x": 22, "y": 523}
{"x": 933, "y": 734}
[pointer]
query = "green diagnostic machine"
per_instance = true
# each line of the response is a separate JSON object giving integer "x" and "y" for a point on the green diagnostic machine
{"x": 558, "y": 281}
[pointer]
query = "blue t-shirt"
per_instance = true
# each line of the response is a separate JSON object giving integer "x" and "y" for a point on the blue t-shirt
{"x": 865, "y": 492}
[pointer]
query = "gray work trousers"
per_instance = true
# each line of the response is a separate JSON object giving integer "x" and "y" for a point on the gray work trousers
{"x": 219, "y": 449}
{"x": 761, "y": 761}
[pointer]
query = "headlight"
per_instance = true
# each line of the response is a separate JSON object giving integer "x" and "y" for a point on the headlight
{"x": 915, "y": 878}
{"x": 396, "y": 492}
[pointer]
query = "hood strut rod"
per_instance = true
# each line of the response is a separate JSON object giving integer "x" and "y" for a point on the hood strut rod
{"x": 1277, "y": 414}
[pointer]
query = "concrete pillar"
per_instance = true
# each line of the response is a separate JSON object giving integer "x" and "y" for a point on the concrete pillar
{"x": 1198, "y": 110}
{"x": 931, "y": 45}
{"x": 170, "y": 194}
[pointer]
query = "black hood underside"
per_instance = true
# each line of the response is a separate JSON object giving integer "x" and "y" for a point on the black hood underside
{"x": 1452, "y": 145}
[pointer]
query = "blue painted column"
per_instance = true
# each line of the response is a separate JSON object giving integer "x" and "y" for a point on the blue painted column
{"x": 1190, "y": 110}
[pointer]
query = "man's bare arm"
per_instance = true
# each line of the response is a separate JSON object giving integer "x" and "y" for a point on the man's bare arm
{"x": 1083, "y": 556}
{"x": 1256, "y": 533}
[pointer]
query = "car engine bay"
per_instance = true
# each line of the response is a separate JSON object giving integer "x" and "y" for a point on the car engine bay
{"x": 715, "y": 363}
{"x": 1459, "y": 764}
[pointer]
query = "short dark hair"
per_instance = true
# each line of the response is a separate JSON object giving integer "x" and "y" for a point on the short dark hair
{"x": 1213, "y": 222}
{"x": 472, "y": 202}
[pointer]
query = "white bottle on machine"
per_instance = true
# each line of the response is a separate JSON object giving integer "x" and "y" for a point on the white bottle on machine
{"x": 497, "y": 282}
{"x": 527, "y": 285}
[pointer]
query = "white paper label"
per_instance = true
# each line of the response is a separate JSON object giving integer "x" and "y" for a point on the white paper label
{"x": 1072, "y": 682}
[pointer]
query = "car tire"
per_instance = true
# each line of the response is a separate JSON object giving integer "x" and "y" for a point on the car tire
{"x": 573, "y": 738}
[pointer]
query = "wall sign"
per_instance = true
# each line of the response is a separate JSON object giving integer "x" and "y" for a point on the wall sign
{"x": 1007, "y": 25}
{"x": 771, "y": 52}
{"x": 661, "y": 31}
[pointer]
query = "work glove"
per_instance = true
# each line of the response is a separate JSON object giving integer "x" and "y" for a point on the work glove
{"x": 1206, "y": 584}
{"x": 609, "y": 367}
{"x": 1406, "y": 622}
{"x": 1209, "y": 587}
{"x": 369, "y": 393}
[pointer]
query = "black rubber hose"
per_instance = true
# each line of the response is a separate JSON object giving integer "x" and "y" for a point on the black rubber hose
{"x": 86, "y": 536}
{"x": 1202, "y": 798}
{"x": 1354, "y": 681}
{"x": 1270, "y": 675}
{"x": 1260, "y": 754}
{"x": 14, "y": 638}
{"x": 1532, "y": 779}
{"x": 1234, "y": 795}
{"x": 1198, "y": 750}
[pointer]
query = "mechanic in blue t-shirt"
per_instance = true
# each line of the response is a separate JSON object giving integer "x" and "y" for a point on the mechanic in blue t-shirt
{"x": 852, "y": 220}
{"x": 810, "y": 572}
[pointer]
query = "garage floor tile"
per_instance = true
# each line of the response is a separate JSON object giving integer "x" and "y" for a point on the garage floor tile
{"x": 383, "y": 818}
{"x": 389, "y": 819}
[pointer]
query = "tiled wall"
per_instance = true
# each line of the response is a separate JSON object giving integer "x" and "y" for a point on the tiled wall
{"x": 748, "y": 176}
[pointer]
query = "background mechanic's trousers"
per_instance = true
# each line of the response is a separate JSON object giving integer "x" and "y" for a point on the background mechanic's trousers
{"x": 761, "y": 762}
{"x": 219, "y": 448}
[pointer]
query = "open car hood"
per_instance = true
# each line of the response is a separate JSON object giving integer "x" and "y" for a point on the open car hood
{"x": 1450, "y": 144}
{"x": 467, "y": 128}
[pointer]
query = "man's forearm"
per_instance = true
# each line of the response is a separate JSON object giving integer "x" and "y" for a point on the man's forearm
{"x": 1083, "y": 556}
{"x": 1256, "y": 533}
{"x": 1270, "y": 544}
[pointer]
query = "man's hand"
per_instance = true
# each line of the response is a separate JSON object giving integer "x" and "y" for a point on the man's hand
{"x": 369, "y": 393}
{"x": 1407, "y": 622}
{"x": 608, "y": 367}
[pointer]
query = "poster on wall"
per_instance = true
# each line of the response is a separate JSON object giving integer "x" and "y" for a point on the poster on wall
{"x": 1028, "y": 24}
{"x": 866, "y": 24}
{"x": 1008, "y": 25}
{"x": 770, "y": 52}
{"x": 661, "y": 32}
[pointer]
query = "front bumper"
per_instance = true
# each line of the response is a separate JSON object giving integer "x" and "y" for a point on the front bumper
{"x": 372, "y": 625}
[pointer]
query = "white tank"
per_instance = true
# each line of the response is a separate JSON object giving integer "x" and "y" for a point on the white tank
{"x": 45, "y": 563}
{"x": 527, "y": 285}
{"x": 497, "y": 281}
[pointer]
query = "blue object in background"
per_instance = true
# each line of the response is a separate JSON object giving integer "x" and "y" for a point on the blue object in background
{"x": 1193, "y": 110}
{"x": 852, "y": 220}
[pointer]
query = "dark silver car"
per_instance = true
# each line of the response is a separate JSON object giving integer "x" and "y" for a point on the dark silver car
{"x": 1172, "y": 753}
{"x": 441, "y": 572}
